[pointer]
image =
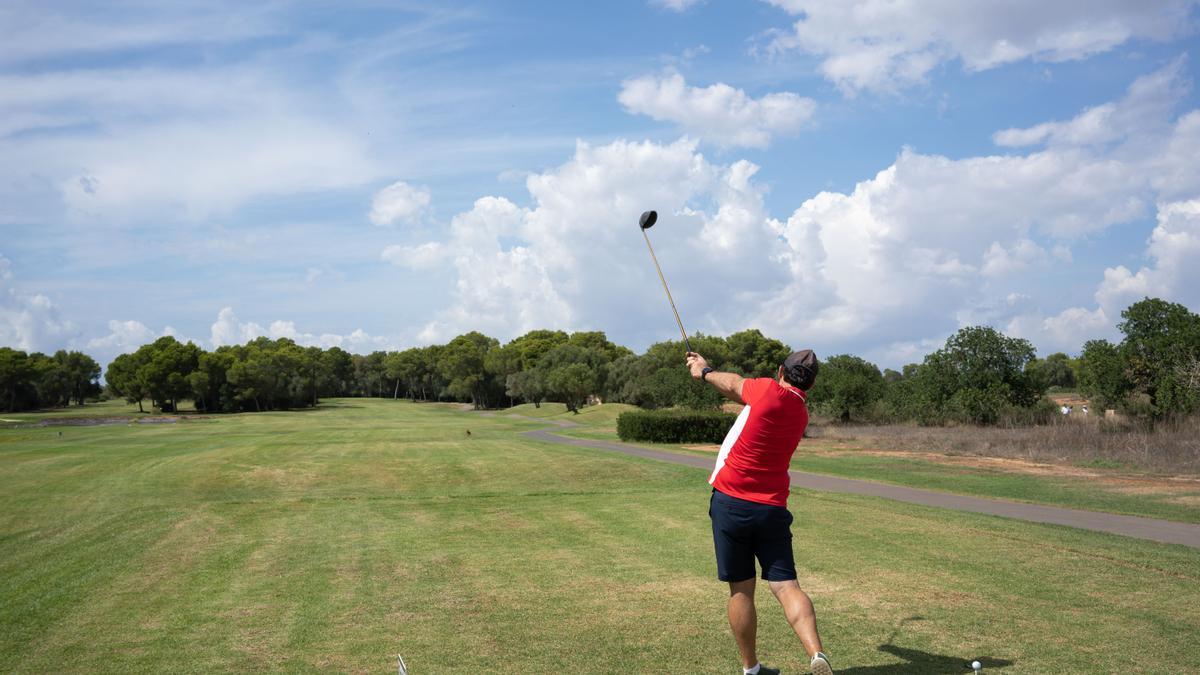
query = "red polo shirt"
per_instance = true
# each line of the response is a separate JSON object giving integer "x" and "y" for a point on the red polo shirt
{"x": 753, "y": 462}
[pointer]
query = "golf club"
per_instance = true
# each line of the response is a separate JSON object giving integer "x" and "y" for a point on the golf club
{"x": 647, "y": 221}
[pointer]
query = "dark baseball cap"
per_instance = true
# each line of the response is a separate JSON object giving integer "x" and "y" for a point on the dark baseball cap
{"x": 800, "y": 368}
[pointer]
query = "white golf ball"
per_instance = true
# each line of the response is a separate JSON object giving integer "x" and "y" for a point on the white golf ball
{"x": 975, "y": 665}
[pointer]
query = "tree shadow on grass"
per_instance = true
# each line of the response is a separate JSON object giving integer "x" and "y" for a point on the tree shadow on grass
{"x": 924, "y": 663}
{"x": 322, "y": 406}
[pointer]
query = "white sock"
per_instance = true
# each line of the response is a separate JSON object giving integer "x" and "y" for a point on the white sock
{"x": 752, "y": 671}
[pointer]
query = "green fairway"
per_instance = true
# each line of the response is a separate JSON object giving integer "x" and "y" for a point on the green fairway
{"x": 92, "y": 410}
{"x": 603, "y": 416}
{"x": 333, "y": 539}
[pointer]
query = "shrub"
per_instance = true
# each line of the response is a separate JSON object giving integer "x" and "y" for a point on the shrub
{"x": 1137, "y": 405}
{"x": 979, "y": 406}
{"x": 674, "y": 426}
{"x": 848, "y": 386}
{"x": 1045, "y": 411}
{"x": 668, "y": 387}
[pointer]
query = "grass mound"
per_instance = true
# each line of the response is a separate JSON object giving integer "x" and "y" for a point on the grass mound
{"x": 605, "y": 414}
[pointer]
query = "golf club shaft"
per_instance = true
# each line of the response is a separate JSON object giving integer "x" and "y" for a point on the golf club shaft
{"x": 671, "y": 300}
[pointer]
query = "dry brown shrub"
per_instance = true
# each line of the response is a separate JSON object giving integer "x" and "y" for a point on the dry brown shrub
{"x": 1168, "y": 447}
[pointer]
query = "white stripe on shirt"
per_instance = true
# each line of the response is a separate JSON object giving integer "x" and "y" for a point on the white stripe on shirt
{"x": 727, "y": 444}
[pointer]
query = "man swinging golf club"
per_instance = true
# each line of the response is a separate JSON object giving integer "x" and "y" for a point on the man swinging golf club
{"x": 750, "y": 489}
{"x": 748, "y": 507}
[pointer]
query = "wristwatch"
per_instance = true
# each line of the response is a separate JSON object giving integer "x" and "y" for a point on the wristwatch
{"x": 704, "y": 373}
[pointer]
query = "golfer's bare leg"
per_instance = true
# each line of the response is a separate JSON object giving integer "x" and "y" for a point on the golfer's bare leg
{"x": 798, "y": 609}
{"x": 743, "y": 619}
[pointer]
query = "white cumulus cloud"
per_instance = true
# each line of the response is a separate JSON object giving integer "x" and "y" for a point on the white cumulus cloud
{"x": 29, "y": 321}
{"x": 425, "y": 256}
{"x": 901, "y": 249}
{"x": 1173, "y": 249}
{"x": 123, "y": 336}
{"x": 718, "y": 113}
{"x": 229, "y": 330}
{"x": 499, "y": 290}
{"x": 1144, "y": 109}
{"x": 399, "y": 202}
{"x": 1023, "y": 254}
{"x": 888, "y": 269}
{"x": 577, "y": 260}
{"x": 886, "y": 46}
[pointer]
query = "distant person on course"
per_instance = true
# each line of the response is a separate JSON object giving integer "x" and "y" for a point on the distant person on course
{"x": 749, "y": 500}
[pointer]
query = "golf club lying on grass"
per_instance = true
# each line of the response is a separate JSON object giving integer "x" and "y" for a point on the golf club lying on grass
{"x": 647, "y": 221}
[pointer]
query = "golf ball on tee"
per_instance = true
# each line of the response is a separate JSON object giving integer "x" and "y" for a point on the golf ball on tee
{"x": 975, "y": 665}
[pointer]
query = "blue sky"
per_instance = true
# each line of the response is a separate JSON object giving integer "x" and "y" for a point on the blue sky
{"x": 855, "y": 176}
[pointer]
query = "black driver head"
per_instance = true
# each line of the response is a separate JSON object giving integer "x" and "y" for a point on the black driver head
{"x": 648, "y": 219}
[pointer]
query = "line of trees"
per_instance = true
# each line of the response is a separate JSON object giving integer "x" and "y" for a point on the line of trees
{"x": 262, "y": 374}
{"x": 979, "y": 376}
{"x": 541, "y": 365}
{"x": 984, "y": 377}
{"x": 1155, "y": 370}
{"x": 31, "y": 381}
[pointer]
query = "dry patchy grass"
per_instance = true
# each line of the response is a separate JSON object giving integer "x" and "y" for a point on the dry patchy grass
{"x": 1169, "y": 448}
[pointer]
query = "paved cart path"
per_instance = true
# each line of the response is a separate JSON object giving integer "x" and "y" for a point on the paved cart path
{"x": 1166, "y": 531}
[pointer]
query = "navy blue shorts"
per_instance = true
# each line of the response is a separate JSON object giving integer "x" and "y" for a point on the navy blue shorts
{"x": 743, "y": 531}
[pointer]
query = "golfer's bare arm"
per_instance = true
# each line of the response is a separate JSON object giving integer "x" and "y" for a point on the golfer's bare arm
{"x": 728, "y": 384}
